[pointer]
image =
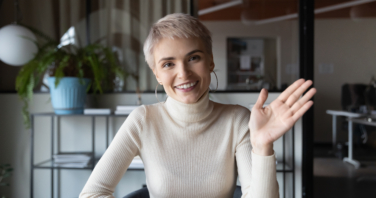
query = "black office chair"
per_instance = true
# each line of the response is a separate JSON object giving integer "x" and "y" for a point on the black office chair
{"x": 353, "y": 96}
{"x": 144, "y": 193}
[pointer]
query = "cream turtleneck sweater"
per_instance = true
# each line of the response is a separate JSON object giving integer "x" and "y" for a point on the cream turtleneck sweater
{"x": 189, "y": 150}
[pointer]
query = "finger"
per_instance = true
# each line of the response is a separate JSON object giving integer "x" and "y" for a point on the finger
{"x": 285, "y": 94}
{"x": 297, "y": 105}
{"x": 261, "y": 99}
{"x": 297, "y": 93}
{"x": 302, "y": 110}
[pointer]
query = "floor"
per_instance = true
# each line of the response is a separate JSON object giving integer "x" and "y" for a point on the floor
{"x": 333, "y": 178}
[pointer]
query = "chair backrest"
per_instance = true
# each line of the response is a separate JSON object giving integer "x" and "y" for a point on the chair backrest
{"x": 238, "y": 192}
{"x": 353, "y": 96}
{"x": 144, "y": 193}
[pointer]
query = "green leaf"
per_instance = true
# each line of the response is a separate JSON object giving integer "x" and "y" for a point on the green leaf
{"x": 59, "y": 71}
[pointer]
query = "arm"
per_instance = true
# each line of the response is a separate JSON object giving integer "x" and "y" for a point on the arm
{"x": 115, "y": 161}
{"x": 257, "y": 174}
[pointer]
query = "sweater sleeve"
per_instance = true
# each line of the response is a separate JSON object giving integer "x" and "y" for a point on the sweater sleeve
{"x": 257, "y": 174}
{"x": 117, "y": 158}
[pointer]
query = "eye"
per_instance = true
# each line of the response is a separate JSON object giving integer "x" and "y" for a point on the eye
{"x": 196, "y": 57}
{"x": 167, "y": 65}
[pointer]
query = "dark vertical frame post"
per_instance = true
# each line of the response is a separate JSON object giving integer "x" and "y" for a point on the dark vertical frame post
{"x": 283, "y": 167}
{"x": 106, "y": 132}
{"x": 58, "y": 152}
{"x": 32, "y": 156}
{"x": 52, "y": 154}
{"x": 93, "y": 140}
{"x": 306, "y": 56}
{"x": 293, "y": 161}
{"x": 192, "y": 8}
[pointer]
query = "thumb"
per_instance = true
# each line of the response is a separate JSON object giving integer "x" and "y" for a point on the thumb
{"x": 261, "y": 99}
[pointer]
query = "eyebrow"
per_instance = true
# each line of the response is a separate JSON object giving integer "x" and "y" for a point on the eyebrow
{"x": 173, "y": 58}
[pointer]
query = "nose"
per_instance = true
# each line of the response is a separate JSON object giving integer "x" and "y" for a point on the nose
{"x": 183, "y": 71}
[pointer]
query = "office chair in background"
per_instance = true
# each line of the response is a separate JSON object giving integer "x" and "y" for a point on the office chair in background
{"x": 358, "y": 98}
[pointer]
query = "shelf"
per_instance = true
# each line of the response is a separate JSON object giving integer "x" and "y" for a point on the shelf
{"x": 84, "y": 115}
{"x": 49, "y": 164}
{"x": 279, "y": 167}
{"x": 243, "y": 84}
{"x": 248, "y": 73}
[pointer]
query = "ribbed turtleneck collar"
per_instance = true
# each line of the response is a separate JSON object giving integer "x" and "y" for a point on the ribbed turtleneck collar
{"x": 190, "y": 112}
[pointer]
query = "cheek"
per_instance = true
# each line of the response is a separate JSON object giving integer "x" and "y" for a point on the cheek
{"x": 166, "y": 78}
{"x": 204, "y": 73}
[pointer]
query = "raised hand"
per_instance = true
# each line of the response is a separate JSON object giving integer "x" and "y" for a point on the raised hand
{"x": 270, "y": 123}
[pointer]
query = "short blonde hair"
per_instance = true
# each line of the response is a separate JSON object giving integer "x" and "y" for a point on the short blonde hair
{"x": 172, "y": 26}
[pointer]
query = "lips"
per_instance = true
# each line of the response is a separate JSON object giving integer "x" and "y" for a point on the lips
{"x": 186, "y": 85}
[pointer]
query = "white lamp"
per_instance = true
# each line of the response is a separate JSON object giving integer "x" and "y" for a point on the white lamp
{"x": 16, "y": 45}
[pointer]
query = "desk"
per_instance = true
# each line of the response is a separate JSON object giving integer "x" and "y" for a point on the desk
{"x": 335, "y": 113}
{"x": 364, "y": 120}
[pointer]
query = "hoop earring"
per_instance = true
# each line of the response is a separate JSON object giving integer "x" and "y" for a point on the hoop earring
{"x": 156, "y": 92}
{"x": 217, "y": 82}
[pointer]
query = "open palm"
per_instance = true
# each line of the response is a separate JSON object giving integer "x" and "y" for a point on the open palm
{"x": 270, "y": 123}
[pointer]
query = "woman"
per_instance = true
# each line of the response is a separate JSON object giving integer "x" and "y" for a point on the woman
{"x": 191, "y": 146}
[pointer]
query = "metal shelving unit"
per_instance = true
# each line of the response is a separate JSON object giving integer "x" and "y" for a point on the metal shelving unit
{"x": 49, "y": 163}
{"x": 282, "y": 167}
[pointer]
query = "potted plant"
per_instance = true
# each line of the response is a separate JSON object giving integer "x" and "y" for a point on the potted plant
{"x": 92, "y": 67}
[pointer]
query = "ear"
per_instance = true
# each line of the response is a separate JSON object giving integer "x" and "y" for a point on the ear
{"x": 212, "y": 65}
{"x": 156, "y": 75}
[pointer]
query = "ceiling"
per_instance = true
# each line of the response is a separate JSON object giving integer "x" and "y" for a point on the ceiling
{"x": 266, "y": 9}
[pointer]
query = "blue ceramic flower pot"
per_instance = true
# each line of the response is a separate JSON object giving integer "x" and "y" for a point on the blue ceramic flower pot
{"x": 69, "y": 96}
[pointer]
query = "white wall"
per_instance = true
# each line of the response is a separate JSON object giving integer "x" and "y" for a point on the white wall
{"x": 15, "y": 143}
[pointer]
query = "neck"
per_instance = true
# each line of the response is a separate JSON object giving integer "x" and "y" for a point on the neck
{"x": 190, "y": 112}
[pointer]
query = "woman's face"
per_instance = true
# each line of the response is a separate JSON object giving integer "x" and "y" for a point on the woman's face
{"x": 183, "y": 67}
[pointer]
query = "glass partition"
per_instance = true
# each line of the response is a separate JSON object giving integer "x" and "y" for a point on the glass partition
{"x": 345, "y": 46}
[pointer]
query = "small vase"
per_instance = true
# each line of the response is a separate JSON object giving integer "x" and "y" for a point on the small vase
{"x": 69, "y": 96}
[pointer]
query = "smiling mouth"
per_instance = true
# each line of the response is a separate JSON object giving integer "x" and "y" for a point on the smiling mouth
{"x": 187, "y": 86}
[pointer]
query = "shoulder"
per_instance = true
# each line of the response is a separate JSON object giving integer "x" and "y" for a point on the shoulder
{"x": 236, "y": 114}
{"x": 135, "y": 119}
{"x": 151, "y": 109}
{"x": 138, "y": 119}
{"x": 138, "y": 113}
{"x": 232, "y": 110}
{"x": 239, "y": 116}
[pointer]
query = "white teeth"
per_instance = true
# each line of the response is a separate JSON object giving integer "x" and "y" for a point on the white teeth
{"x": 186, "y": 86}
